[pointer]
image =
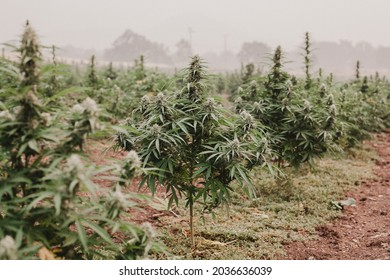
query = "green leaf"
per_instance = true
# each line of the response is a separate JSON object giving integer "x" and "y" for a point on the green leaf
{"x": 7, "y": 189}
{"x": 100, "y": 231}
{"x": 57, "y": 203}
{"x": 173, "y": 198}
{"x": 203, "y": 167}
{"x": 158, "y": 145}
{"x": 33, "y": 145}
{"x": 208, "y": 173}
{"x": 19, "y": 237}
{"x": 22, "y": 149}
{"x": 82, "y": 235}
{"x": 243, "y": 175}
{"x": 170, "y": 166}
{"x": 41, "y": 196}
{"x": 183, "y": 128}
{"x": 20, "y": 179}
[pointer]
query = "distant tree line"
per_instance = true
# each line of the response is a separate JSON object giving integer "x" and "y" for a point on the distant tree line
{"x": 339, "y": 57}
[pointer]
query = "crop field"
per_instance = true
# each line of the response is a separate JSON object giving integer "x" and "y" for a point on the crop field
{"x": 105, "y": 162}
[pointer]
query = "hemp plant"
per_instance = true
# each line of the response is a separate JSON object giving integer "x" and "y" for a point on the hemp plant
{"x": 365, "y": 87}
{"x": 320, "y": 76}
{"x": 52, "y": 75}
{"x": 139, "y": 67}
{"x": 197, "y": 147}
{"x": 308, "y": 61}
{"x": 299, "y": 126}
{"x": 92, "y": 78}
{"x": 357, "y": 71}
{"x": 30, "y": 56}
{"x": 111, "y": 73}
{"x": 50, "y": 207}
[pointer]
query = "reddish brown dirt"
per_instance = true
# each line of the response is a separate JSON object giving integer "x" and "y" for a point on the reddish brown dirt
{"x": 101, "y": 154}
{"x": 363, "y": 231}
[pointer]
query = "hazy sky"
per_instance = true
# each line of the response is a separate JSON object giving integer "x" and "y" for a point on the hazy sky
{"x": 96, "y": 23}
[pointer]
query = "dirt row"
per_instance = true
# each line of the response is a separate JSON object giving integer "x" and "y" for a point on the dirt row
{"x": 363, "y": 230}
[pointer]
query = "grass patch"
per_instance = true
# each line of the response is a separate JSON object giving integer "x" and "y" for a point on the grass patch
{"x": 283, "y": 211}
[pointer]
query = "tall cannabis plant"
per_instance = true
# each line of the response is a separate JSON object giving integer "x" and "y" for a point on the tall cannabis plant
{"x": 357, "y": 71}
{"x": 30, "y": 56}
{"x": 92, "y": 78}
{"x": 196, "y": 146}
{"x": 139, "y": 67}
{"x": 308, "y": 61}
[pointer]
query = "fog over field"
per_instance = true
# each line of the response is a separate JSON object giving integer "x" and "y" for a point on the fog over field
{"x": 226, "y": 130}
{"x": 351, "y": 29}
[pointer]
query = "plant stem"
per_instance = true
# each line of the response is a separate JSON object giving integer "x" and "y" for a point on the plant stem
{"x": 192, "y": 220}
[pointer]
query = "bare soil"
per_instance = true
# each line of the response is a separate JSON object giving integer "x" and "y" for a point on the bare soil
{"x": 363, "y": 230}
{"x": 101, "y": 154}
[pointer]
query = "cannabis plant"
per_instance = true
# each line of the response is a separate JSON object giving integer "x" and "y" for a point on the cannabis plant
{"x": 197, "y": 147}
{"x": 308, "y": 61}
{"x": 30, "y": 56}
{"x": 139, "y": 67}
{"x": 50, "y": 206}
{"x": 92, "y": 77}
{"x": 300, "y": 124}
{"x": 364, "y": 108}
{"x": 49, "y": 202}
{"x": 111, "y": 73}
{"x": 53, "y": 77}
{"x": 357, "y": 71}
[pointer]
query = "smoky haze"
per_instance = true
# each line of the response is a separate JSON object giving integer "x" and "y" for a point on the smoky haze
{"x": 218, "y": 30}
